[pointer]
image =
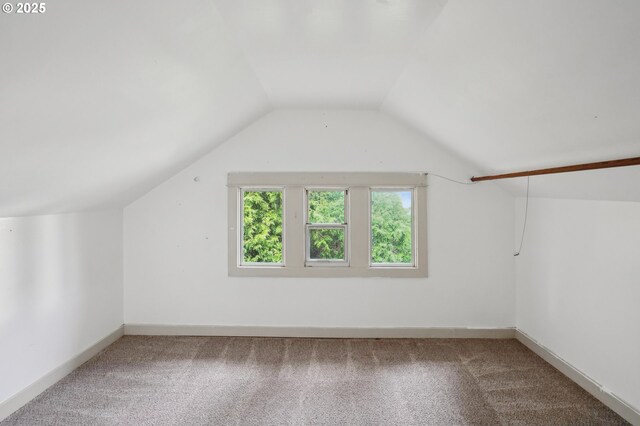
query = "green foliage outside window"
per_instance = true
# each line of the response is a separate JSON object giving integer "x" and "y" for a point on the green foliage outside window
{"x": 390, "y": 228}
{"x": 326, "y": 207}
{"x": 262, "y": 225}
{"x": 326, "y": 244}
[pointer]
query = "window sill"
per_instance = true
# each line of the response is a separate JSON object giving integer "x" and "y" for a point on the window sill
{"x": 329, "y": 271}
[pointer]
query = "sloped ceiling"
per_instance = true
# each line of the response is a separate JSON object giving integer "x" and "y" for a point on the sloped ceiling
{"x": 328, "y": 52}
{"x": 514, "y": 85}
{"x": 101, "y": 101}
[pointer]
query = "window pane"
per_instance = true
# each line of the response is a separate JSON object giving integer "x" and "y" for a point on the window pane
{"x": 391, "y": 227}
{"x": 326, "y": 244}
{"x": 326, "y": 206}
{"x": 262, "y": 226}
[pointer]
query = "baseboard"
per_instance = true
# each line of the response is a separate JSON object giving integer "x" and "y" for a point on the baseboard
{"x": 625, "y": 410}
{"x": 609, "y": 399}
{"x": 15, "y": 402}
{"x": 319, "y": 332}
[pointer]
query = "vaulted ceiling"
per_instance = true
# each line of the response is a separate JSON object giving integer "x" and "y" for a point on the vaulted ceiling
{"x": 101, "y": 101}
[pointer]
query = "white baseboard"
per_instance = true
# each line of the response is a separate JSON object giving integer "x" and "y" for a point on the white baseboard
{"x": 625, "y": 410}
{"x": 609, "y": 399}
{"x": 319, "y": 332}
{"x": 15, "y": 402}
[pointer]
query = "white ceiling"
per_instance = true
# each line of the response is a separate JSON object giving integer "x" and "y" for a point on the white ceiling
{"x": 519, "y": 84}
{"x": 101, "y": 101}
{"x": 512, "y": 85}
{"x": 328, "y": 52}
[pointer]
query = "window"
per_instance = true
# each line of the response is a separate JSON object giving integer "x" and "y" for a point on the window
{"x": 262, "y": 227}
{"x": 392, "y": 227}
{"x": 326, "y": 227}
{"x": 327, "y": 224}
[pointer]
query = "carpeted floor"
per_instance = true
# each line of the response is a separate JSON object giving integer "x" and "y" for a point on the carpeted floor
{"x": 255, "y": 381}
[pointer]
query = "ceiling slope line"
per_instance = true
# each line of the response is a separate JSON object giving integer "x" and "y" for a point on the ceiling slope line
{"x": 237, "y": 129}
{"x": 233, "y": 38}
{"x": 412, "y": 54}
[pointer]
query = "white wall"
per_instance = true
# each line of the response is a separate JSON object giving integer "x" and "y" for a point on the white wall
{"x": 60, "y": 291}
{"x": 175, "y": 259}
{"x": 578, "y": 287}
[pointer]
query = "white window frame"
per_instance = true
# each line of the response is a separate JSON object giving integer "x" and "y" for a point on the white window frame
{"x": 357, "y": 222}
{"x": 308, "y": 226}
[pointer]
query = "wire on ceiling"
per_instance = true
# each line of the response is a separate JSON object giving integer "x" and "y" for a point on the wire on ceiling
{"x": 526, "y": 208}
{"x": 449, "y": 179}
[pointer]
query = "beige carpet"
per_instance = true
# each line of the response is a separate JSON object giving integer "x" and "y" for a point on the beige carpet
{"x": 256, "y": 381}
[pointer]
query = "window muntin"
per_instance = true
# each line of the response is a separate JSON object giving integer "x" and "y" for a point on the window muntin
{"x": 392, "y": 224}
{"x": 326, "y": 229}
{"x": 262, "y": 226}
